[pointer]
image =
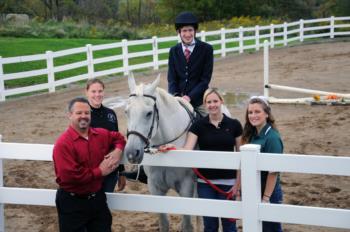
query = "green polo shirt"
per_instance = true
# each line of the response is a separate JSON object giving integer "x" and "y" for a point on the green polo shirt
{"x": 270, "y": 141}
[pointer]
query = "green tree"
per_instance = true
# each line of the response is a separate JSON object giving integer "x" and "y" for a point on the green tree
{"x": 333, "y": 7}
{"x": 138, "y": 12}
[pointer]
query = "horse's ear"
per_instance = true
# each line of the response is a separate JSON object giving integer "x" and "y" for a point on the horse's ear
{"x": 131, "y": 82}
{"x": 155, "y": 83}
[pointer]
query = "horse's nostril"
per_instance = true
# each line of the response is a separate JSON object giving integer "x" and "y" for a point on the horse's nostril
{"x": 134, "y": 155}
{"x": 137, "y": 153}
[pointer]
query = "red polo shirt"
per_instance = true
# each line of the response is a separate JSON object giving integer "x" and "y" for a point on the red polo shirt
{"x": 77, "y": 159}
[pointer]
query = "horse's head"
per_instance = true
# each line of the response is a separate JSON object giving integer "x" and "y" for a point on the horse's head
{"x": 142, "y": 116}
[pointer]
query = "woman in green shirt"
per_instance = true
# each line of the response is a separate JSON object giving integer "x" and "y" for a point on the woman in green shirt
{"x": 260, "y": 128}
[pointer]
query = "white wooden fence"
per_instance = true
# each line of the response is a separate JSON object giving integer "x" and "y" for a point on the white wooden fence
{"x": 250, "y": 209}
{"x": 224, "y": 40}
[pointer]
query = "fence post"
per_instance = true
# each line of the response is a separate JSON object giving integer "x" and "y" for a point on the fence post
{"x": 266, "y": 69}
{"x": 50, "y": 71}
{"x": 223, "y": 42}
{"x": 155, "y": 53}
{"x": 90, "y": 61}
{"x": 240, "y": 39}
{"x": 257, "y": 38}
{"x": 331, "y": 33}
{"x": 2, "y": 82}
{"x": 2, "y": 213}
{"x": 301, "y": 30}
{"x": 251, "y": 189}
{"x": 285, "y": 35}
{"x": 203, "y": 36}
{"x": 125, "y": 57}
{"x": 272, "y": 36}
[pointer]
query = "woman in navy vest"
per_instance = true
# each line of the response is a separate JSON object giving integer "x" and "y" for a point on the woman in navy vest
{"x": 104, "y": 117}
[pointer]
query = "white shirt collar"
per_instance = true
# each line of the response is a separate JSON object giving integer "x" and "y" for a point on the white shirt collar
{"x": 190, "y": 47}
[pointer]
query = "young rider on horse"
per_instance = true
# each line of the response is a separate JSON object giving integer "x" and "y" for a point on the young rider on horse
{"x": 190, "y": 64}
{"x": 190, "y": 68}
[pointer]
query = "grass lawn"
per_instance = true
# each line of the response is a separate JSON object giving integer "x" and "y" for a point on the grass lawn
{"x": 27, "y": 46}
{"x": 11, "y": 47}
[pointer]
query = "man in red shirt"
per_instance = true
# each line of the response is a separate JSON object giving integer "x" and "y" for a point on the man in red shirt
{"x": 82, "y": 157}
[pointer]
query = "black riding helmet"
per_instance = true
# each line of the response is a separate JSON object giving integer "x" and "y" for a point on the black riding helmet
{"x": 186, "y": 19}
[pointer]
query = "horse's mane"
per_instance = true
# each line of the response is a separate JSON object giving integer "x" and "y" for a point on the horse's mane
{"x": 168, "y": 99}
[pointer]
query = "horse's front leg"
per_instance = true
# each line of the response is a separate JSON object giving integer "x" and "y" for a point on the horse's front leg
{"x": 163, "y": 222}
{"x": 156, "y": 190}
{"x": 186, "y": 224}
{"x": 187, "y": 190}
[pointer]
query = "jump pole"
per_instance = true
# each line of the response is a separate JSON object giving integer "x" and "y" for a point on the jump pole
{"x": 266, "y": 69}
{"x": 268, "y": 86}
{"x": 2, "y": 211}
{"x": 309, "y": 91}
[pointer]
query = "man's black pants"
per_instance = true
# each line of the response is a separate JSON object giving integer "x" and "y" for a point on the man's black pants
{"x": 88, "y": 213}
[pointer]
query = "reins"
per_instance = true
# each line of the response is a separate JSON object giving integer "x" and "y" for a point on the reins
{"x": 184, "y": 131}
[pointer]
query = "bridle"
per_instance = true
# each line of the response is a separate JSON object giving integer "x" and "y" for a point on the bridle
{"x": 155, "y": 118}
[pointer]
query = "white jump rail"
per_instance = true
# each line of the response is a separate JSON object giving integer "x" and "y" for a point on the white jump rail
{"x": 268, "y": 85}
{"x": 230, "y": 40}
{"x": 250, "y": 209}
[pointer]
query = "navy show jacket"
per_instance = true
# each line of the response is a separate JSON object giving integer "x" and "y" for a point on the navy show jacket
{"x": 192, "y": 78}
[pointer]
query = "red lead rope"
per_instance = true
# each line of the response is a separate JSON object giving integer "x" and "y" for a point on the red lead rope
{"x": 229, "y": 195}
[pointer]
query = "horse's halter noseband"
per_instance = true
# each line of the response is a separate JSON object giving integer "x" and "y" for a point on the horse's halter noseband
{"x": 145, "y": 139}
{"x": 156, "y": 116}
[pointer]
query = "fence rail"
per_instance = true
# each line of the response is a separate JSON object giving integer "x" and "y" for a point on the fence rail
{"x": 224, "y": 41}
{"x": 250, "y": 209}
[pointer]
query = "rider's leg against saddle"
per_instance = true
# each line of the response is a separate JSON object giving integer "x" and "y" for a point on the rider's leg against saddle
{"x": 136, "y": 175}
{"x": 201, "y": 110}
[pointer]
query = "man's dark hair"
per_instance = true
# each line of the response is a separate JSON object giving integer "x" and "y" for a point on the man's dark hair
{"x": 75, "y": 100}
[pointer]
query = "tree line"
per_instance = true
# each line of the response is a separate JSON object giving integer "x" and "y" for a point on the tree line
{"x": 141, "y": 12}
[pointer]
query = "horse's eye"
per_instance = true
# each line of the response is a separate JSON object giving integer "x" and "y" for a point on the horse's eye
{"x": 149, "y": 114}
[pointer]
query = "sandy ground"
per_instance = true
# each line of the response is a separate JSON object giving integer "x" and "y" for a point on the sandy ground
{"x": 305, "y": 129}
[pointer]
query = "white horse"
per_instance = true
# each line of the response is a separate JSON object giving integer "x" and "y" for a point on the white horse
{"x": 155, "y": 118}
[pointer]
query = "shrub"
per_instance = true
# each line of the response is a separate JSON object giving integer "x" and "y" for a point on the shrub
{"x": 114, "y": 30}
